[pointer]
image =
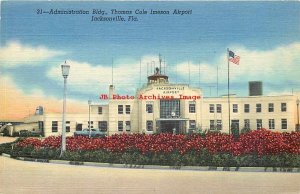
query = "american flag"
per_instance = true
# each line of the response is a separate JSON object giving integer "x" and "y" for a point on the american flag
{"x": 233, "y": 58}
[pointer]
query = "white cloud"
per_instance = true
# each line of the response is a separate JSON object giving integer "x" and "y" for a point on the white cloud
{"x": 87, "y": 78}
{"x": 207, "y": 72}
{"x": 16, "y": 54}
{"x": 277, "y": 66}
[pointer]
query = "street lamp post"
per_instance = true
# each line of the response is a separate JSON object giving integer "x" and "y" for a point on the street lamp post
{"x": 298, "y": 127}
{"x": 65, "y": 72}
{"x": 90, "y": 102}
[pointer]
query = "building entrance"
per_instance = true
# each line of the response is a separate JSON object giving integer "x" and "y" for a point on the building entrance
{"x": 177, "y": 126}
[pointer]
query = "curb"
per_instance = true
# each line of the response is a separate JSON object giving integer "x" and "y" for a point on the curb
{"x": 6, "y": 155}
{"x": 158, "y": 167}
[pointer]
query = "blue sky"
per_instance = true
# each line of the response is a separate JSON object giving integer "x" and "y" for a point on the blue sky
{"x": 266, "y": 35}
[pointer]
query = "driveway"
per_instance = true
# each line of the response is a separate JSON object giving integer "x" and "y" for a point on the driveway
{"x": 7, "y": 139}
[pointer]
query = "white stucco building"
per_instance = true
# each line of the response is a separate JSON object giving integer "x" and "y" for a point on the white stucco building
{"x": 161, "y": 107}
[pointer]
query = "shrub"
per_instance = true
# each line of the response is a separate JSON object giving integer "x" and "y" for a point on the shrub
{"x": 5, "y": 148}
{"x": 72, "y": 156}
{"x": 246, "y": 161}
{"x": 255, "y": 148}
{"x": 45, "y": 153}
{"x": 16, "y": 134}
{"x": 5, "y": 132}
{"x": 245, "y": 130}
{"x": 9, "y": 147}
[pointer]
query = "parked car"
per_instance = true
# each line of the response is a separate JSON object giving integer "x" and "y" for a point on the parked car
{"x": 94, "y": 133}
{"x": 24, "y": 133}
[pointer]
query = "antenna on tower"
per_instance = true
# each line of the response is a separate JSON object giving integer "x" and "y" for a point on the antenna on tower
{"x": 199, "y": 74}
{"x": 160, "y": 60}
{"x": 176, "y": 73}
{"x": 140, "y": 72}
{"x": 147, "y": 69}
{"x": 112, "y": 71}
{"x": 165, "y": 66}
{"x": 153, "y": 67}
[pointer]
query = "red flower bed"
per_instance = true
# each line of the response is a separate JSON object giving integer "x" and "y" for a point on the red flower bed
{"x": 264, "y": 142}
{"x": 261, "y": 142}
{"x": 31, "y": 141}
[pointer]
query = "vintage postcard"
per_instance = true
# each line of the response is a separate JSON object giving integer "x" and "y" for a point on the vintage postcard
{"x": 161, "y": 83}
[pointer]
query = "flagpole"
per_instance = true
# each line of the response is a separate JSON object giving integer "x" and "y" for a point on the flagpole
{"x": 189, "y": 73}
{"x": 112, "y": 71}
{"x": 217, "y": 81}
{"x": 228, "y": 91}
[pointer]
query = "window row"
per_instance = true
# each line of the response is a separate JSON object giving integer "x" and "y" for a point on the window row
{"x": 235, "y": 108}
{"x": 121, "y": 125}
{"x": 102, "y": 125}
{"x": 121, "y": 110}
{"x": 55, "y": 126}
{"x": 212, "y": 108}
{"x": 164, "y": 106}
{"x": 217, "y": 124}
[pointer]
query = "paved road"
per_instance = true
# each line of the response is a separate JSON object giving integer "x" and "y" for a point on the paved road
{"x": 31, "y": 177}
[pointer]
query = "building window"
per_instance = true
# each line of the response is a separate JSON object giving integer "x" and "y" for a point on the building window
{"x": 169, "y": 108}
{"x": 149, "y": 125}
{"x": 149, "y": 108}
{"x": 247, "y": 123}
{"x": 283, "y": 123}
{"x": 219, "y": 124}
{"x": 258, "y": 123}
{"x": 235, "y": 108}
{"x": 127, "y": 125}
{"x": 283, "y": 107}
{"x": 92, "y": 124}
{"x": 120, "y": 109}
{"x": 219, "y": 108}
{"x": 271, "y": 124}
{"x": 271, "y": 107}
{"x": 215, "y": 124}
{"x": 41, "y": 125}
{"x": 102, "y": 125}
{"x": 78, "y": 127}
{"x": 120, "y": 125}
{"x": 211, "y": 108}
{"x": 258, "y": 107}
{"x": 67, "y": 126}
{"x": 192, "y": 124}
{"x": 235, "y": 124}
{"x": 127, "y": 109}
{"x": 54, "y": 126}
{"x": 211, "y": 124}
{"x": 246, "y": 108}
{"x": 100, "y": 110}
{"x": 192, "y": 107}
